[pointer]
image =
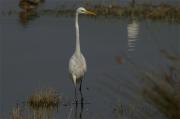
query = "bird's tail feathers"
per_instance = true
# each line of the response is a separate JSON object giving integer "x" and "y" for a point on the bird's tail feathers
{"x": 74, "y": 79}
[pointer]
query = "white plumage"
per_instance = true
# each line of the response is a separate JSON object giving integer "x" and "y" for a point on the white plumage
{"x": 77, "y": 67}
{"x": 77, "y": 63}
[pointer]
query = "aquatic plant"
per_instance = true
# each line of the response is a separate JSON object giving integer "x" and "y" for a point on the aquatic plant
{"x": 30, "y": 5}
{"x": 161, "y": 89}
{"x": 44, "y": 99}
{"x": 162, "y": 12}
{"x": 136, "y": 111}
{"x": 169, "y": 55}
{"x": 16, "y": 113}
{"x": 41, "y": 105}
{"x": 23, "y": 113}
{"x": 120, "y": 59}
{"x": 153, "y": 12}
{"x": 26, "y": 17}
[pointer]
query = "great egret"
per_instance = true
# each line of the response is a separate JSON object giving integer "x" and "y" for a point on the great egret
{"x": 77, "y": 63}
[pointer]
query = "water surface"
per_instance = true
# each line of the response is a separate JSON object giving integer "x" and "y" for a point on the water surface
{"x": 35, "y": 56}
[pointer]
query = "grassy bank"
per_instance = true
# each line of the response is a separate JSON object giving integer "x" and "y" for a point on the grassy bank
{"x": 160, "y": 12}
{"x": 144, "y": 11}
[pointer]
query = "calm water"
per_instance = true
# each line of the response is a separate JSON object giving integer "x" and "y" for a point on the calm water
{"x": 36, "y": 56}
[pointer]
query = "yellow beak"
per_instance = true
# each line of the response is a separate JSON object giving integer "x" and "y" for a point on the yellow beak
{"x": 91, "y": 13}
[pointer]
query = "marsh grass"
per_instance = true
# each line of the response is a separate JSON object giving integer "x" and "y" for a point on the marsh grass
{"x": 143, "y": 11}
{"x": 44, "y": 99}
{"x": 41, "y": 105}
{"x": 163, "y": 12}
{"x": 161, "y": 89}
{"x": 21, "y": 113}
{"x": 152, "y": 12}
{"x": 16, "y": 113}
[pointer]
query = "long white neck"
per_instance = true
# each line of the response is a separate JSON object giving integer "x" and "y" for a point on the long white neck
{"x": 78, "y": 50}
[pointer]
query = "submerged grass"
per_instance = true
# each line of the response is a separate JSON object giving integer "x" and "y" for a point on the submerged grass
{"x": 162, "y": 91}
{"x": 16, "y": 113}
{"x": 44, "y": 99}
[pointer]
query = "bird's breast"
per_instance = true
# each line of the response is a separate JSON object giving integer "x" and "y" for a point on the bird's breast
{"x": 77, "y": 66}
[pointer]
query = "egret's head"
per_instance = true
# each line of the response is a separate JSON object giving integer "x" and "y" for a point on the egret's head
{"x": 82, "y": 10}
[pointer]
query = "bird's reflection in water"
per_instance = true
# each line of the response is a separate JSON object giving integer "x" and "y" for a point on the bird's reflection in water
{"x": 133, "y": 33}
{"x": 78, "y": 107}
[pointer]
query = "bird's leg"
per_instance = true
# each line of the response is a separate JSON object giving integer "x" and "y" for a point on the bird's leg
{"x": 75, "y": 98}
{"x": 80, "y": 85}
{"x": 82, "y": 107}
{"x": 80, "y": 89}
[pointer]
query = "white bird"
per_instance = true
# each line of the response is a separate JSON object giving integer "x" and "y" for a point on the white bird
{"x": 77, "y": 63}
